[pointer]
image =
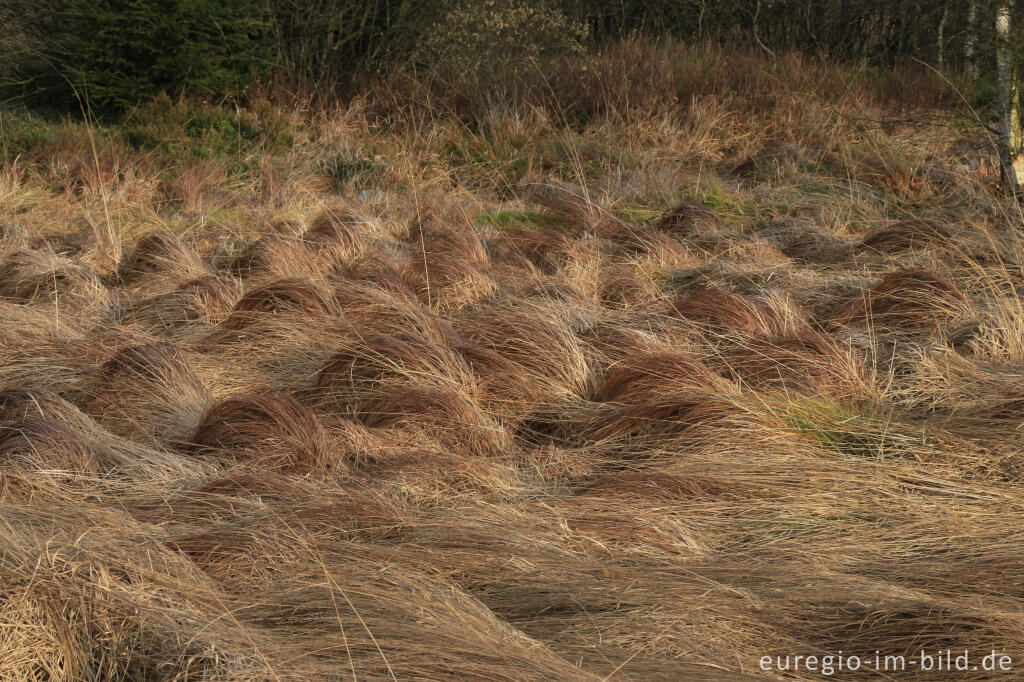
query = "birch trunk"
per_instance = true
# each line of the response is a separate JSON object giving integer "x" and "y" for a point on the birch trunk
{"x": 1010, "y": 159}
{"x": 970, "y": 59}
{"x": 941, "y": 38}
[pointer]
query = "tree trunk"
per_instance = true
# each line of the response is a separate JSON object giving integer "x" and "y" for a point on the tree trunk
{"x": 1011, "y": 160}
{"x": 970, "y": 58}
{"x": 941, "y": 38}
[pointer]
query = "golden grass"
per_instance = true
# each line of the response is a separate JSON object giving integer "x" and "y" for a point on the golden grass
{"x": 709, "y": 374}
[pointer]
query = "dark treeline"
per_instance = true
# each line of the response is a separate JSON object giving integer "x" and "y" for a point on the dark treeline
{"x": 120, "y": 51}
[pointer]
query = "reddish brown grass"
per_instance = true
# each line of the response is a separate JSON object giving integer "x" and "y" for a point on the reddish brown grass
{"x": 653, "y": 376}
{"x": 624, "y": 287}
{"x": 909, "y": 299}
{"x": 206, "y": 299}
{"x": 272, "y": 431}
{"x": 38, "y": 443}
{"x": 381, "y": 271}
{"x": 541, "y": 346}
{"x": 906, "y": 234}
{"x": 343, "y": 236}
{"x": 806, "y": 362}
{"x": 432, "y": 443}
{"x": 691, "y": 220}
{"x": 721, "y": 310}
{"x": 149, "y": 391}
{"x": 292, "y": 295}
{"x": 162, "y": 253}
{"x": 651, "y": 242}
{"x": 502, "y": 386}
{"x": 692, "y": 419}
{"x": 449, "y": 416}
{"x": 17, "y": 405}
{"x": 381, "y": 357}
{"x": 446, "y": 281}
{"x": 549, "y": 250}
{"x": 371, "y": 309}
{"x": 435, "y": 236}
{"x": 275, "y": 255}
{"x": 27, "y": 276}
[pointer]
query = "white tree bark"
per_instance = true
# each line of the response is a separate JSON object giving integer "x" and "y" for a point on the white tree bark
{"x": 941, "y": 38}
{"x": 970, "y": 58}
{"x": 1010, "y": 158}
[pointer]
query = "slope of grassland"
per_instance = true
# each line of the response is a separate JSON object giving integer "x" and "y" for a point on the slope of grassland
{"x": 427, "y": 388}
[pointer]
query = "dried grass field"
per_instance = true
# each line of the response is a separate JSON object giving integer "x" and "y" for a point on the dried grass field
{"x": 707, "y": 359}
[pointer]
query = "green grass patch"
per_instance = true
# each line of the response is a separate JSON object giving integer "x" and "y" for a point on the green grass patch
{"x": 636, "y": 214}
{"x": 847, "y": 428}
{"x": 712, "y": 201}
{"x": 532, "y": 220}
{"x": 177, "y": 131}
{"x": 21, "y": 133}
{"x": 186, "y": 131}
{"x": 739, "y": 213}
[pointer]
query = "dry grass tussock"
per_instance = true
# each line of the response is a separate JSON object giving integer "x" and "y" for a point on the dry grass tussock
{"x": 439, "y": 388}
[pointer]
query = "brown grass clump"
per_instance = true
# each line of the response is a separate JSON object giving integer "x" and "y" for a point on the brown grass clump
{"x": 624, "y": 287}
{"x": 432, "y": 236}
{"x": 549, "y": 250}
{"x": 206, "y": 299}
{"x": 342, "y": 237}
{"x": 162, "y": 253}
{"x": 381, "y": 271}
{"x": 268, "y": 431}
{"x": 559, "y": 290}
{"x": 693, "y": 221}
{"x": 537, "y": 342}
{"x": 908, "y": 299}
{"x": 500, "y": 383}
{"x": 447, "y": 415}
{"x": 743, "y": 250}
{"x": 263, "y": 484}
{"x": 804, "y": 362}
{"x": 723, "y": 310}
{"x": 369, "y": 308}
{"x": 1000, "y": 413}
{"x": 447, "y": 282}
{"x": 770, "y": 162}
{"x": 289, "y": 227}
{"x": 365, "y": 364}
{"x": 806, "y": 242}
{"x": 212, "y": 297}
{"x": 251, "y": 548}
{"x": 17, "y": 405}
{"x": 277, "y": 256}
{"x": 651, "y": 376}
{"x": 45, "y": 444}
{"x": 357, "y": 511}
{"x": 653, "y": 244}
{"x": 31, "y": 276}
{"x": 612, "y": 341}
{"x": 149, "y": 391}
{"x": 427, "y": 471}
{"x": 906, "y": 234}
{"x": 291, "y": 295}
{"x": 228, "y": 551}
{"x": 69, "y": 244}
{"x": 640, "y": 429}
